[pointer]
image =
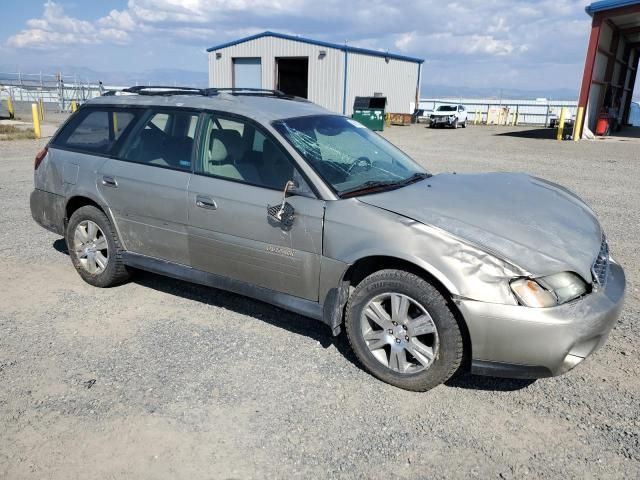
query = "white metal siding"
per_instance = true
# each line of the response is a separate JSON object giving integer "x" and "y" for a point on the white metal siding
{"x": 367, "y": 74}
{"x": 325, "y": 74}
{"x": 396, "y": 80}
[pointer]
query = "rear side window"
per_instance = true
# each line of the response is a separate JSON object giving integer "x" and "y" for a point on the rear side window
{"x": 165, "y": 139}
{"x": 94, "y": 130}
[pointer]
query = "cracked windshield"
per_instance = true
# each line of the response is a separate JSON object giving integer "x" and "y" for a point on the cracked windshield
{"x": 350, "y": 157}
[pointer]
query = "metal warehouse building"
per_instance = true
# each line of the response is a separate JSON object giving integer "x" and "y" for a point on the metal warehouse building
{"x": 328, "y": 74}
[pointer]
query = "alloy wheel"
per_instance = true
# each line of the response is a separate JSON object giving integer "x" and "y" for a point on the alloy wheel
{"x": 91, "y": 247}
{"x": 399, "y": 333}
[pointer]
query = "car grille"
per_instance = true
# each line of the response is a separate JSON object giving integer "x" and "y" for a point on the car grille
{"x": 601, "y": 265}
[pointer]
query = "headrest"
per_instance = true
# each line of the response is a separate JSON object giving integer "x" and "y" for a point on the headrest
{"x": 226, "y": 145}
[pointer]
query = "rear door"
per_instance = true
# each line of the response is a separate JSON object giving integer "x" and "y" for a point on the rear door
{"x": 240, "y": 171}
{"x": 146, "y": 184}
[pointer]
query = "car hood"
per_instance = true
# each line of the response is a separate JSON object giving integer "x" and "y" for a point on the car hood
{"x": 444, "y": 114}
{"x": 537, "y": 225}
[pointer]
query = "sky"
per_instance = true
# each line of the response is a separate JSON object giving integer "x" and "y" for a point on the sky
{"x": 523, "y": 44}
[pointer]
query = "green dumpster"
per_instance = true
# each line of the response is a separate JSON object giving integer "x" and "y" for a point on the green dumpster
{"x": 369, "y": 111}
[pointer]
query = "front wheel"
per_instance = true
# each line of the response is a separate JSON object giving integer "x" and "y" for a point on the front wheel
{"x": 95, "y": 249}
{"x": 455, "y": 123}
{"x": 402, "y": 330}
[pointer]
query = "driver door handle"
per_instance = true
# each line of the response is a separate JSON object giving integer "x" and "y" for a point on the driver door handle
{"x": 203, "y": 201}
{"x": 109, "y": 182}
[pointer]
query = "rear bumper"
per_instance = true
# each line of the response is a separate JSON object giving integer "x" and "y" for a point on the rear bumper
{"x": 48, "y": 210}
{"x": 520, "y": 342}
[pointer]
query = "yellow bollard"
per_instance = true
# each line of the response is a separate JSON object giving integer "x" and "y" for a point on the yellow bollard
{"x": 74, "y": 106}
{"x": 476, "y": 118}
{"x": 41, "y": 107}
{"x": 563, "y": 114}
{"x": 115, "y": 123}
{"x": 36, "y": 120}
{"x": 12, "y": 112}
{"x": 577, "y": 127}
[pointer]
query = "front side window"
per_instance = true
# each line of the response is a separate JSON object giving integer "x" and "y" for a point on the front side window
{"x": 165, "y": 139}
{"x": 95, "y": 130}
{"x": 236, "y": 150}
{"x": 349, "y": 156}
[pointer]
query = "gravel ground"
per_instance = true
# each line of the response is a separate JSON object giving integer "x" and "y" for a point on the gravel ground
{"x": 163, "y": 379}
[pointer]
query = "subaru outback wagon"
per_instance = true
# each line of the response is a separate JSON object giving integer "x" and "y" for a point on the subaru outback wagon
{"x": 278, "y": 199}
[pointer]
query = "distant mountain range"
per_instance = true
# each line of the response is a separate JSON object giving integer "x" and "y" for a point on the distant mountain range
{"x": 159, "y": 76}
{"x": 447, "y": 91}
{"x": 175, "y": 76}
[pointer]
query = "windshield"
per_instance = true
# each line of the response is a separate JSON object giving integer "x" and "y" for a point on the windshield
{"x": 347, "y": 155}
{"x": 446, "y": 108}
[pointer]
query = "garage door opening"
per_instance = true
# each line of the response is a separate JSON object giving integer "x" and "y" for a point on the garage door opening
{"x": 292, "y": 76}
{"x": 247, "y": 73}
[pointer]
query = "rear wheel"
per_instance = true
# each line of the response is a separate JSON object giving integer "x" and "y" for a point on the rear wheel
{"x": 95, "y": 249}
{"x": 402, "y": 330}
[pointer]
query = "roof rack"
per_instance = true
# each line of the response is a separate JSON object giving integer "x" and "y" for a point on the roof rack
{"x": 207, "y": 92}
{"x": 246, "y": 91}
{"x": 164, "y": 90}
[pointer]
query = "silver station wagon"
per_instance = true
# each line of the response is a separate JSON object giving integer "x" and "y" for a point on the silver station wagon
{"x": 275, "y": 198}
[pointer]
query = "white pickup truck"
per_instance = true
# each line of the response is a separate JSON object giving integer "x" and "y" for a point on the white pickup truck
{"x": 449, "y": 115}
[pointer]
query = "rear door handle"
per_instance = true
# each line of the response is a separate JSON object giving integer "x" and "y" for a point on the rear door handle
{"x": 206, "y": 202}
{"x": 109, "y": 182}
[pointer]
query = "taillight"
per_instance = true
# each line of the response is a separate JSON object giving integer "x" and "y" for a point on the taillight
{"x": 39, "y": 157}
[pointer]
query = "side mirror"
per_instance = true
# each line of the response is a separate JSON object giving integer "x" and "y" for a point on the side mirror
{"x": 284, "y": 213}
{"x": 290, "y": 188}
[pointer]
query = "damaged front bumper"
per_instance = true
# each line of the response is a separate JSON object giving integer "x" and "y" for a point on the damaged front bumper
{"x": 521, "y": 342}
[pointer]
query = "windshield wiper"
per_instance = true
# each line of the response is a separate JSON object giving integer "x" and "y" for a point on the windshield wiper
{"x": 373, "y": 186}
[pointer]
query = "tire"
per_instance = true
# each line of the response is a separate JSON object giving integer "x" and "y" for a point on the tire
{"x": 455, "y": 124}
{"x": 464, "y": 124}
{"x": 447, "y": 351}
{"x": 100, "y": 267}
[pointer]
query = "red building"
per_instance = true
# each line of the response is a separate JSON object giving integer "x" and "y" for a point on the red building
{"x": 611, "y": 65}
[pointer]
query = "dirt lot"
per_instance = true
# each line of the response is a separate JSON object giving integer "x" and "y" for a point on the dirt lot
{"x": 163, "y": 379}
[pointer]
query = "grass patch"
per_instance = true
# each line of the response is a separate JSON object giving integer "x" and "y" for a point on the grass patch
{"x": 9, "y": 129}
{"x": 11, "y": 132}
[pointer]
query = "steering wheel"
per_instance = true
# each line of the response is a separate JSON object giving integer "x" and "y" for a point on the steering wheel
{"x": 362, "y": 163}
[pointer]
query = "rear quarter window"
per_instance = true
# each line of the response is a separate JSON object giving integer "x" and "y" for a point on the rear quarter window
{"x": 94, "y": 130}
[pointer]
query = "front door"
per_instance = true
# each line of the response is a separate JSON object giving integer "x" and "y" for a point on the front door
{"x": 240, "y": 172}
{"x": 146, "y": 185}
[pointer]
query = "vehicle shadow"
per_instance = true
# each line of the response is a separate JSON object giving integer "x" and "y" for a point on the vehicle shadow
{"x": 291, "y": 322}
{"x": 238, "y": 304}
{"x": 60, "y": 245}
{"x": 469, "y": 381}
{"x": 533, "y": 134}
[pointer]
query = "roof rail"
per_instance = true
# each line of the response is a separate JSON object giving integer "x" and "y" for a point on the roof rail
{"x": 207, "y": 92}
{"x": 164, "y": 90}
{"x": 245, "y": 91}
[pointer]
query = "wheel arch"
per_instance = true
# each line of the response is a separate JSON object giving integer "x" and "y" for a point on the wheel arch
{"x": 83, "y": 199}
{"x": 78, "y": 201}
{"x": 365, "y": 266}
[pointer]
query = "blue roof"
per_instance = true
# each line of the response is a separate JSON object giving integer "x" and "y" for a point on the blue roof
{"x": 603, "y": 5}
{"x": 344, "y": 48}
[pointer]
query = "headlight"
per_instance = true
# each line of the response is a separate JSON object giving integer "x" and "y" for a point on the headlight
{"x": 548, "y": 291}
